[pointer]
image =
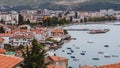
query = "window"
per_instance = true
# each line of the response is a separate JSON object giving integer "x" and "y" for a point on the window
{"x": 24, "y": 39}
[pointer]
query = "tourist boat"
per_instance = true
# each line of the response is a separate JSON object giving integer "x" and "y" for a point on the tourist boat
{"x": 72, "y": 57}
{"x": 106, "y": 45}
{"x": 82, "y": 53}
{"x": 97, "y": 31}
{"x": 95, "y": 58}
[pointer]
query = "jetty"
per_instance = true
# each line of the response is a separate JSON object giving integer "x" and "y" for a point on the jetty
{"x": 77, "y": 29}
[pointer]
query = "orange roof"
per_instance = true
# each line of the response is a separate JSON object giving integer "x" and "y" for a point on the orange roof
{"x": 56, "y": 58}
{"x": 9, "y": 61}
{"x": 5, "y": 35}
{"x": 2, "y": 50}
{"x": 51, "y": 66}
{"x": 57, "y": 30}
{"x": 1, "y": 40}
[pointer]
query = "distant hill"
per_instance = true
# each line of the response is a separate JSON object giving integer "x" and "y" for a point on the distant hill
{"x": 82, "y": 5}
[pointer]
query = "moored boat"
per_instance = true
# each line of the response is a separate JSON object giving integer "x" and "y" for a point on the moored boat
{"x": 72, "y": 57}
{"x": 95, "y": 58}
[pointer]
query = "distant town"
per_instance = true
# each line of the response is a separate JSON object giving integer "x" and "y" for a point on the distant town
{"x": 18, "y": 29}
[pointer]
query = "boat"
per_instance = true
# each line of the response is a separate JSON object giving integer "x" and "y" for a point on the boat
{"x": 68, "y": 48}
{"x": 63, "y": 50}
{"x": 72, "y": 57}
{"x": 106, "y": 45}
{"x": 97, "y": 31}
{"x": 77, "y": 47}
{"x": 72, "y": 51}
{"x": 100, "y": 53}
{"x": 114, "y": 55}
{"x": 69, "y": 53}
{"x": 90, "y": 42}
{"x": 95, "y": 58}
{"x": 107, "y": 56}
{"x": 82, "y": 53}
{"x": 75, "y": 59}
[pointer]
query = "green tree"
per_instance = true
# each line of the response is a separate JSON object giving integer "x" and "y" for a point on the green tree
{"x": 76, "y": 14}
{"x": 34, "y": 57}
{"x": 65, "y": 31}
{"x": 20, "y": 20}
{"x": 2, "y": 30}
{"x": 8, "y": 47}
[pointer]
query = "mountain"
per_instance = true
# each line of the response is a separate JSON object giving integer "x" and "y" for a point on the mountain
{"x": 82, "y": 5}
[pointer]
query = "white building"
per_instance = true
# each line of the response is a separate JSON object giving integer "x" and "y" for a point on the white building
{"x": 21, "y": 39}
{"x": 9, "y": 18}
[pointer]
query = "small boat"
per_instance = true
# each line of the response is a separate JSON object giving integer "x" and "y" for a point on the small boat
{"x": 63, "y": 50}
{"x": 100, "y": 53}
{"x": 107, "y": 56}
{"x": 72, "y": 51}
{"x": 95, "y": 58}
{"x": 106, "y": 45}
{"x": 82, "y": 53}
{"x": 72, "y": 56}
{"x": 75, "y": 59}
{"x": 69, "y": 53}
{"x": 77, "y": 47}
{"x": 114, "y": 55}
{"x": 90, "y": 42}
{"x": 68, "y": 48}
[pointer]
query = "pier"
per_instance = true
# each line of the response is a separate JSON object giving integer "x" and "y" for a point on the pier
{"x": 77, "y": 29}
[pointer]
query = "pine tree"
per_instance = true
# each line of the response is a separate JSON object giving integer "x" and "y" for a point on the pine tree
{"x": 34, "y": 57}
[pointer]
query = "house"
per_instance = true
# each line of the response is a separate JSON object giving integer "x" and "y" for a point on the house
{"x": 9, "y": 18}
{"x": 21, "y": 38}
{"x": 10, "y": 61}
{"x": 2, "y": 43}
{"x": 2, "y": 51}
{"x": 57, "y": 32}
{"x": 57, "y": 62}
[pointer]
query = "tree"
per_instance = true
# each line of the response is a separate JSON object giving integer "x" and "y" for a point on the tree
{"x": 34, "y": 57}
{"x": 2, "y": 30}
{"x": 76, "y": 14}
{"x": 65, "y": 31}
{"x": 8, "y": 47}
{"x": 20, "y": 20}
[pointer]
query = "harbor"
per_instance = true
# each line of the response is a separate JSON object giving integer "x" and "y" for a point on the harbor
{"x": 92, "y": 49}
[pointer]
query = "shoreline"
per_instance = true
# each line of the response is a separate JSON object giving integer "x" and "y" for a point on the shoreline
{"x": 85, "y": 23}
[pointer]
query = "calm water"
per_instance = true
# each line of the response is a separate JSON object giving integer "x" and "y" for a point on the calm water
{"x": 111, "y": 38}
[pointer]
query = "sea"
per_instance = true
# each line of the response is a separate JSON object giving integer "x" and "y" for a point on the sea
{"x": 92, "y": 45}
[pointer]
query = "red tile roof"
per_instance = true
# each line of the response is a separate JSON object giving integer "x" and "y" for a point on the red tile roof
{"x": 5, "y": 35}
{"x": 57, "y": 31}
{"x": 50, "y": 66}
{"x": 56, "y": 58}
{"x": 1, "y": 40}
{"x": 9, "y": 61}
{"x": 2, "y": 50}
